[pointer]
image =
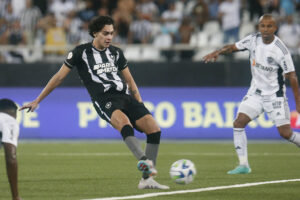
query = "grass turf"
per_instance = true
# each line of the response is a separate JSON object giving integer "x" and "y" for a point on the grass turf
{"x": 83, "y": 170}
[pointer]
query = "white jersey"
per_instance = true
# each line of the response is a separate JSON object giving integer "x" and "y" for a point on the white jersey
{"x": 269, "y": 63}
{"x": 9, "y": 128}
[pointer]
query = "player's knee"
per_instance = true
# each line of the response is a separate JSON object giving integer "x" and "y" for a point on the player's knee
{"x": 126, "y": 131}
{"x": 286, "y": 134}
{"x": 154, "y": 138}
{"x": 11, "y": 159}
{"x": 238, "y": 124}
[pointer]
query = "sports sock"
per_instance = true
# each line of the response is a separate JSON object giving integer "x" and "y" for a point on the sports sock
{"x": 132, "y": 142}
{"x": 240, "y": 144}
{"x": 152, "y": 147}
{"x": 295, "y": 138}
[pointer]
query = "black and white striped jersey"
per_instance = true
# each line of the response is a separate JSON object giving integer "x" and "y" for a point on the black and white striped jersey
{"x": 99, "y": 70}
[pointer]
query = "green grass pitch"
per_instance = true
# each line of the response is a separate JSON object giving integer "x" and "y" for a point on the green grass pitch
{"x": 86, "y": 170}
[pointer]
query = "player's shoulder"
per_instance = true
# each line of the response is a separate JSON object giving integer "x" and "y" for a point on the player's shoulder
{"x": 280, "y": 46}
{"x": 82, "y": 47}
{"x": 114, "y": 48}
{"x": 4, "y": 117}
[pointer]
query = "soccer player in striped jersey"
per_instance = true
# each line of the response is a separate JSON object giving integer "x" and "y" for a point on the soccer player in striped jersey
{"x": 9, "y": 134}
{"x": 117, "y": 100}
{"x": 271, "y": 64}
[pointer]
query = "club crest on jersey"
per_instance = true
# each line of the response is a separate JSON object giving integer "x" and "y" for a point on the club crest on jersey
{"x": 108, "y": 105}
{"x": 113, "y": 57}
{"x": 271, "y": 61}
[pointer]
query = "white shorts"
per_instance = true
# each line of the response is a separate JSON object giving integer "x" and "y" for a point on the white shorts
{"x": 276, "y": 108}
{"x": 9, "y": 129}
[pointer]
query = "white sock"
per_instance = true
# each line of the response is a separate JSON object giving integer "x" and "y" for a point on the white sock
{"x": 295, "y": 138}
{"x": 240, "y": 144}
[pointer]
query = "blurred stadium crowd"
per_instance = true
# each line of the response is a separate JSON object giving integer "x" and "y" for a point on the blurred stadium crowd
{"x": 34, "y": 30}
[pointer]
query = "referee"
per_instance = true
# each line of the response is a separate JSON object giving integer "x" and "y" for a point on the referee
{"x": 117, "y": 100}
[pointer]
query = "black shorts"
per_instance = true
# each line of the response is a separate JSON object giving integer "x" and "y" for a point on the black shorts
{"x": 108, "y": 103}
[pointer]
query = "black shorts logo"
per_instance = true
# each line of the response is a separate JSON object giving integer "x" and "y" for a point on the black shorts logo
{"x": 108, "y": 105}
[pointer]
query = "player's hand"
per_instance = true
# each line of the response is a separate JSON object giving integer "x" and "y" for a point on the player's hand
{"x": 212, "y": 57}
{"x": 30, "y": 106}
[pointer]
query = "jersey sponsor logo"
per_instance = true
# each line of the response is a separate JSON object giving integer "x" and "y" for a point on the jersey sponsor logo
{"x": 268, "y": 69}
{"x": 105, "y": 68}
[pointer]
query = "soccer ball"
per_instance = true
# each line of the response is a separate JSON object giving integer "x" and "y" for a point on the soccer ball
{"x": 183, "y": 171}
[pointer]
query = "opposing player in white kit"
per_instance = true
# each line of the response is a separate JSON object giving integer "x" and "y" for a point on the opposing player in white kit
{"x": 9, "y": 129}
{"x": 271, "y": 63}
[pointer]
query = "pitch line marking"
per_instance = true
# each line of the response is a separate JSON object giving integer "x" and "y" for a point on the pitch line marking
{"x": 195, "y": 190}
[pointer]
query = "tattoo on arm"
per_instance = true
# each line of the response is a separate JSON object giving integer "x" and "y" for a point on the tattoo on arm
{"x": 133, "y": 92}
{"x": 227, "y": 49}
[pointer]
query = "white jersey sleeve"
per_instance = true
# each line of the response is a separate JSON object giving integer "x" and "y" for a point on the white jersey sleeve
{"x": 245, "y": 43}
{"x": 287, "y": 63}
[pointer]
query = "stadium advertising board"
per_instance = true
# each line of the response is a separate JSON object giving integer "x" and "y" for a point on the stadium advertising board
{"x": 182, "y": 113}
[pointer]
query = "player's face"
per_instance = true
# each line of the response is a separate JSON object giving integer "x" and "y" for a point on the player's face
{"x": 104, "y": 37}
{"x": 267, "y": 27}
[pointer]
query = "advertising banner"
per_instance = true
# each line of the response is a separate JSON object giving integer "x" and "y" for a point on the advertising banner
{"x": 182, "y": 113}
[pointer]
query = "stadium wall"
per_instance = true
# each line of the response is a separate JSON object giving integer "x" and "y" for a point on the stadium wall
{"x": 189, "y": 100}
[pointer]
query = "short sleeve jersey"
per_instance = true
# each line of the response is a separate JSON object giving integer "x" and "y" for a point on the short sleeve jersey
{"x": 99, "y": 70}
{"x": 269, "y": 63}
{"x": 9, "y": 129}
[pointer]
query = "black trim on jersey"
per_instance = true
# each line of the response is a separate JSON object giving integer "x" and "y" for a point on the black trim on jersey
{"x": 280, "y": 79}
{"x": 281, "y": 47}
{"x": 68, "y": 65}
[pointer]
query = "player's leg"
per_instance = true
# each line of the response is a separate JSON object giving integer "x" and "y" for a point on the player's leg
{"x": 249, "y": 109}
{"x": 121, "y": 122}
{"x": 109, "y": 110}
{"x": 281, "y": 117}
{"x": 12, "y": 169}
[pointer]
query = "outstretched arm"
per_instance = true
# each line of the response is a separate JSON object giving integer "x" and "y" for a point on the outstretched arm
{"x": 132, "y": 85}
{"x": 227, "y": 49}
{"x": 295, "y": 87}
{"x": 51, "y": 85}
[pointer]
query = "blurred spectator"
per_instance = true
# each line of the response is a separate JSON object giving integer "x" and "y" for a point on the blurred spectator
{"x": 42, "y": 5}
{"x": 270, "y": 6}
{"x": 140, "y": 30}
{"x": 55, "y": 36}
{"x": 8, "y": 13}
{"x": 229, "y": 13}
{"x": 88, "y": 12}
{"x": 255, "y": 9}
{"x": 72, "y": 26}
{"x": 186, "y": 30}
{"x": 171, "y": 20}
{"x": 213, "y": 7}
{"x": 84, "y": 36}
{"x": 185, "y": 6}
{"x": 162, "y": 6}
{"x": 29, "y": 17}
{"x": 61, "y": 8}
{"x": 147, "y": 9}
{"x": 200, "y": 13}
{"x": 289, "y": 32}
{"x": 13, "y": 35}
{"x": 17, "y": 6}
{"x": 287, "y": 7}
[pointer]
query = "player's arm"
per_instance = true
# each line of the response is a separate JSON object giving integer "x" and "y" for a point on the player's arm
{"x": 131, "y": 84}
{"x": 227, "y": 49}
{"x": 51, "y": 85}
{"x": 295, "y": 87}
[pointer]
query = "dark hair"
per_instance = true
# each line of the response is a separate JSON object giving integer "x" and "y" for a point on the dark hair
{"x": 7, "y": 104}
{"x": 98, "y": 23}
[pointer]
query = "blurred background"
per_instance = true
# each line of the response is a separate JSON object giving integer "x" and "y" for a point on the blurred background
{"x": 164, "y": 41}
